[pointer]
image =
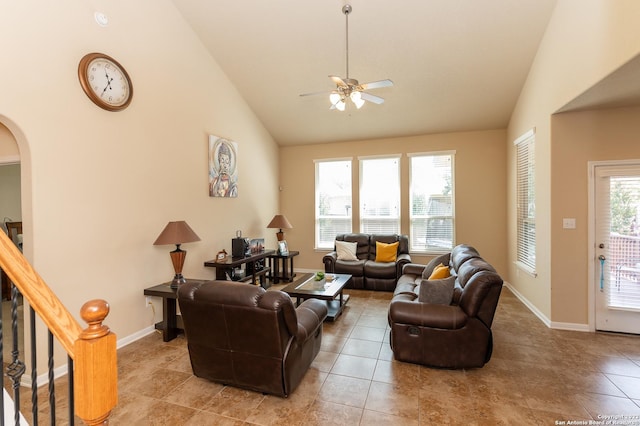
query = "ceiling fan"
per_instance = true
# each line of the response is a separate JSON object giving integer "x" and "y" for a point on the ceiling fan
{"x": 349, "y": 88}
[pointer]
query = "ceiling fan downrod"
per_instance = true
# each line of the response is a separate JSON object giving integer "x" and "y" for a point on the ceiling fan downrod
{"x": 346, "y": 9}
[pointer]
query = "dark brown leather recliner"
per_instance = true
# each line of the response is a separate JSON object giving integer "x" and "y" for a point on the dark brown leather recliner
{"x": 244, "y": 336}
{"x": 457, "y": 335}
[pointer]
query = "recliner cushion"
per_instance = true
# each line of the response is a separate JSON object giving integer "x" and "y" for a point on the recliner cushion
{"x": 439, "y": 292}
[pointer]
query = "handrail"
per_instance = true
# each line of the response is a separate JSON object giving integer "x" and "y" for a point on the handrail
{"x": 93, "y": 349}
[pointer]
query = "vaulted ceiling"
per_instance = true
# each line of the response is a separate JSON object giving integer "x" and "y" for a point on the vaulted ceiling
{"x": 456, "y": 65}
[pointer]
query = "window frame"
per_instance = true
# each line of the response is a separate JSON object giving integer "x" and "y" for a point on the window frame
{"x": 526, "y": 202}
{"x": 412, "y": 218}
{"x": 348, "y": 218}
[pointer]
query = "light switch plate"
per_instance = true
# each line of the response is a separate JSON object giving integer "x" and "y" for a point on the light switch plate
{"x": 569, "y": 223}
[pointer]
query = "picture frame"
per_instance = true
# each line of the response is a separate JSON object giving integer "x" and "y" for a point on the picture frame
{"x": 221, "y": 256}
{"x": 256, "y": 245}
{"x": 223, "y": 170}
{"x": 282, "y": 248}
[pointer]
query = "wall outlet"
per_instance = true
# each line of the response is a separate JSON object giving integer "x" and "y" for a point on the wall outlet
{"x": 569, "y": 223}
{"x": 147, "y": 301}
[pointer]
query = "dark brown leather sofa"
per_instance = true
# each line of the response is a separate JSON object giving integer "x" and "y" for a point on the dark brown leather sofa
{"x": 457, "y": 335}
{"x": 366, "y": 272}
{"x": 244, "y": 336}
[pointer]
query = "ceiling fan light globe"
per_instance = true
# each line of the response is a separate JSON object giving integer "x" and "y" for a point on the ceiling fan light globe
{"x": 334, "y": 98}
{"x": 340, "y": 105}
{"x": 359, "y": 102}
{"x": 355, "y": 96}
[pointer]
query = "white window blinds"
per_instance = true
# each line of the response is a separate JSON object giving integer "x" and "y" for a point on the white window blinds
{"x": 333, "y": 201}
{"x": 380, "y": 195}
{"x": 526, "y": 202}
{"x": 431, "y": 198}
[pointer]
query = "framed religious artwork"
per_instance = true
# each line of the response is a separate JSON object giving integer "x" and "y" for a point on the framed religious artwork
{"x": 223, "y": 167}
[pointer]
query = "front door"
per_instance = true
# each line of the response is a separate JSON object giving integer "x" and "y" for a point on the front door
{"x": 617, "y": 239}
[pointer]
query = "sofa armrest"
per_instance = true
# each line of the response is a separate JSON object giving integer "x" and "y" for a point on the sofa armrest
{"x": 329, "y": 260}
{"x": 311, "y": 313}
{"x": 401, "y": 260}
{"x": 448, "y": 317}
{"x": 413, "y": 268}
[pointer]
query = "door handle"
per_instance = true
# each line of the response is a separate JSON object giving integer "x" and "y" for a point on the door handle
{"x": 602, "y": 259}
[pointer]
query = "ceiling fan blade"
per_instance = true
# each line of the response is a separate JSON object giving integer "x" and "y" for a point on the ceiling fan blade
{"x": 337, "y": 80}
{"x": 324, "y": 92}
{"x": 371, "y": 98}
{"x": 376, "y": 84}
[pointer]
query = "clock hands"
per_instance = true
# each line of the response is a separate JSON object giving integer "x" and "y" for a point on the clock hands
{"x": 109, "y": 80}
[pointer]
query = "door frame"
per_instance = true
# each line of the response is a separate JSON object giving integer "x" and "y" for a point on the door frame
{"x": 591, "y": 237}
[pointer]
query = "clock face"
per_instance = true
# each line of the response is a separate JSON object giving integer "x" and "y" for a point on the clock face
{"x": 105, "y": 81}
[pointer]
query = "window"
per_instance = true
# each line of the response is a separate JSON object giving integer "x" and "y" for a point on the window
{"x": 333, "y": 201}
{"x": 526, "y": 202}
{"x": 431, "y": 201}
{"x": 380, "y": 195}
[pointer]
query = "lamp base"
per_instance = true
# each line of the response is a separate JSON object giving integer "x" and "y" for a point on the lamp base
{"x": 178, "y": 280}
{"x": 177, "y": 258}
{"x": 280, "y": 235}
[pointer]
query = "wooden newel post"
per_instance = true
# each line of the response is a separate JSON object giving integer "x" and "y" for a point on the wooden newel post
{"x": 95, "y": 366}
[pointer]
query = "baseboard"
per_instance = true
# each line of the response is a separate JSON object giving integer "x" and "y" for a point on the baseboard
{"x": 542, "y": 317}
{"x": 570, "y": 326}
{"x": 135, "y": 336}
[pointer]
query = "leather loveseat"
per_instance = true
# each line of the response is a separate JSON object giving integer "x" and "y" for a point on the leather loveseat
{"x": 244, "y": 336}
{"x": 449, "y": 335}
{"x": 366, "y": 272}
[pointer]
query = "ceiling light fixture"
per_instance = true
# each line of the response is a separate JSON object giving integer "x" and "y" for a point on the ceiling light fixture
{"x": 338, "y": 97}
{"x": 350, "y": 87}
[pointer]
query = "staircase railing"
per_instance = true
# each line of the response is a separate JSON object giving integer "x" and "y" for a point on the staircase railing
{"x": 92, "y": 349}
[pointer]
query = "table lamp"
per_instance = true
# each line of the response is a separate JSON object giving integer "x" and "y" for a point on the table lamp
{"x": 279, "y": 221}
{"x": 177, "y": 233}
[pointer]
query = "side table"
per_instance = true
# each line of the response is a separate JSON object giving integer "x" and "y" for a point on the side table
{"x": 274, "y": 264}
{"x": 171, "y": 323}
{"x": 254, "y": 273}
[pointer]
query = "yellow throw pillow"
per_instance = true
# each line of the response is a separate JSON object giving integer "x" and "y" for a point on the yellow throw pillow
{"x": 440, "y": 272}
{"x": 386, "y": 252}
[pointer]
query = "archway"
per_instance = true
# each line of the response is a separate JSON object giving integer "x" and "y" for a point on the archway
{"x": 15, "y": 209}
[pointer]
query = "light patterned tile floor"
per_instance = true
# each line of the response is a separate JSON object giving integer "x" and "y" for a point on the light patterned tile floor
{"x": 537, "y": 376}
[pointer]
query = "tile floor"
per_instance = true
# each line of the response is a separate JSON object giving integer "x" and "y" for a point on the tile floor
{"x": 537, "y": 376}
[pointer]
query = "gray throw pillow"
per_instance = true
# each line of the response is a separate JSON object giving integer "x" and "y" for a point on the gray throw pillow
{"x": 437, "y": 291}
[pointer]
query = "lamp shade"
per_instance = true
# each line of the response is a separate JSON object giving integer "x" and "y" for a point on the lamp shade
{"x": 280, "y": 222}
{"x": 176, "y": 233}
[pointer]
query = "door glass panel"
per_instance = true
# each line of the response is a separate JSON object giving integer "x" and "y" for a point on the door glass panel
{"x": 623, "y": 289}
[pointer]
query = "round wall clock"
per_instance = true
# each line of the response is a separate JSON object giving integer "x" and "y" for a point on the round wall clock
{"x": 105, "y": 81}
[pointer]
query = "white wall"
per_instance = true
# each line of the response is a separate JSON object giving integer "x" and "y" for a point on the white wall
{"x": 99, "y": 186}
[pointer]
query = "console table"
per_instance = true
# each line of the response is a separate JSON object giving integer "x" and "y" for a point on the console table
{"x": 274, "y": 264}
{"x": 171, "y": 323}
{"x": 252, "y": 272}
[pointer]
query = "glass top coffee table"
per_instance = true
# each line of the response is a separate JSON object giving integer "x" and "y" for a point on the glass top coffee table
{"x": 329, "y": 289}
